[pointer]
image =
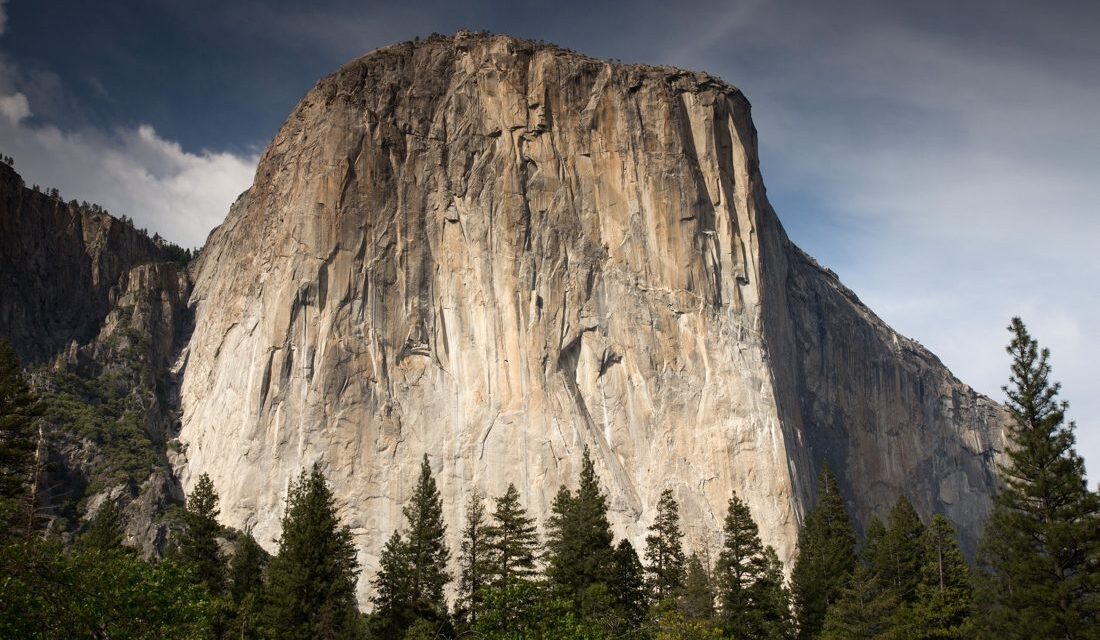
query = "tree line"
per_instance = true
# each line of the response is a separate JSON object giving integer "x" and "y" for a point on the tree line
{"x": 1037, "y": 574}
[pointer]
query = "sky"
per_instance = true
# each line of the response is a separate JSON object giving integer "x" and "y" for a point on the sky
{"x": 942, "y": 157}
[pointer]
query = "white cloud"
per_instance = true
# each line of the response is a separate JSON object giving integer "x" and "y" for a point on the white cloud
{"x": 15, "y": 107}
{"x": 130, "y": 171}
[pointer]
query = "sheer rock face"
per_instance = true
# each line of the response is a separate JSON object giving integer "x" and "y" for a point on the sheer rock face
{"x": 499, "y": 253}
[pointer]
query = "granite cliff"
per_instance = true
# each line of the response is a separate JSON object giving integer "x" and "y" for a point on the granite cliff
{"x": 498, "y": 252}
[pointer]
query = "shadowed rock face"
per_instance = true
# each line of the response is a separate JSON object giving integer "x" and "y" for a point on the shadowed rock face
{"x": 61, "y": 267}
{"x": 498, "y": 253}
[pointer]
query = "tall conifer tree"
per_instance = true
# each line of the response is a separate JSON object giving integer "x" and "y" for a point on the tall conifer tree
{"x": 697, "y": 596}
{"x": 900, "y": 555}
{"x": 626, "y": 582}
{"x": 748, "y": 590}
{"x": 425, "y": 548}
{"x": 19, "y": 408}
{"x": 199, "y": 540}
{"x": 826, "y": 557}
{"x": 474, "y": 560}
{"x": 105, "y": 532}
{"x": 579, "y": 534}
{"x": 513, "y": 540}
{"x": 310, "y": 591}
{"x": 1042, "y": 543}
{"x": 945, "y": 595}
{"x": 664, "y": 552}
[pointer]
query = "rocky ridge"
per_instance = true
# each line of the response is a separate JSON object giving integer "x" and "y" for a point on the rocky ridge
{"x": 98, "y": 311}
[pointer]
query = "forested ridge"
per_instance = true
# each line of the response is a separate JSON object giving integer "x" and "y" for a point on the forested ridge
{"x": 1037, "y": 574}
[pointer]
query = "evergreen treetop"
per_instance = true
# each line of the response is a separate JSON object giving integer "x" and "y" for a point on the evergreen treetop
{"x": 900, "y": 556}
{"x": 513, "y": 540}
{"x": 199, "y": 540}
{"x": 664, "y": 552}
{"x": 474, "y": 560}
{"x": 579, "y": 535}
{"x": 697, "y": 597}
{"x": 19, "y": 409}
{"x": 749, "y": 591}
{"x": 826, "y": 557}
{"x": 310, "y": 590}
{"x": 425, "y": 547}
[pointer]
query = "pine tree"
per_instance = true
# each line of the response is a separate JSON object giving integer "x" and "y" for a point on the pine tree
{"x": 246, "y": 568}
{"x": 105, "y": 532}
{"x": 746, "y": 585}
{"x": 864, "y": 609}
{"x": 697, "y": 596}
{"x": 513, "y": 540}
{"x": 900, "y": 555}
{"x": 945, "y": 598}
{"x": 393, "y": 610}
{"x": 199, "y": 541}
{"x": 310, "y": 590}
{"x": 664, "y": 552}
{"x": 579, "y": 534}
{"x": 19, "y": 409}
{"x": 626, "y": 582}
{"x": 425, "y": 548}
{"x": 826, "y": 557}
{"x": 245, "y": 586}
{"x": 1042, "y": 543}
{"x": 871, "y": 554}
{"x": 475, "y": 563}
{"x": 774, "y": 599}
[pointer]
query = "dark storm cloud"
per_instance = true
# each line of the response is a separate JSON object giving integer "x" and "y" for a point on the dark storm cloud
{"x": 941, "y": 156}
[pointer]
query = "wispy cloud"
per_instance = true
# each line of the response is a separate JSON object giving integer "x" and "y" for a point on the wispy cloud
{"x": 130, "y": 171}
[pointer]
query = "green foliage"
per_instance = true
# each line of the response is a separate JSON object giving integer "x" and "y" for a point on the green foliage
{"x": 697, "y": 598}
{"x": 826, "y": 557}
{"x": 109, "y": 412}
{"x": 1041, "y": 548}
{"x": 245, "y": 588}
{"x": 579, "y": 535}
{"x": 49, "y": 593}
{"x": 626, "y": 583}
{"x": 864, "y": 609}
{"x": 668, "y": 622}
{"x": 105, "y": 532}
{"x": 664, "y": 551}
{"x": 413, "y": 573}
{"x": 392, "y": 598}
{"x": 900, "y": 556}
{"x": 19, "y": 409}
{"x": 754, "y": 602}
{"x": 198, "y": 544}
{"x": 945, "y": 596}
{"x": 310, "y": 591}
{"x": 513, "y": 540}
{"x": 426, "y": 549}
{"x": 474, "y": 561}
{"x": 528, "y": 610}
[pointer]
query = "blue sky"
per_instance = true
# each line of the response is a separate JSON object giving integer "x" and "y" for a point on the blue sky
{"x": 942, "y": 157}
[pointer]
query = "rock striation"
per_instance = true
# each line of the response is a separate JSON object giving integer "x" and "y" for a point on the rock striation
{"x": 499, "y": 252}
